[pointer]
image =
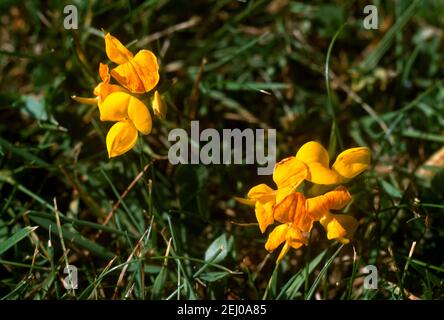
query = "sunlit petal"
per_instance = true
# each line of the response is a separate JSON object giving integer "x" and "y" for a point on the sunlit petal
{"x": 103, "y": 89}
{"x": 285, "y": 210}
{"x": 295, "y": 238}
{"x": 264, "y": 214}
{"x": 115, "y": 107}
{"x": 121, "y": 137}
{"x": 313, "y": 152}
{"x": 140, "y": 74}
{"x": 159, "y": 106}
{"x": 352, "y": 162}
{"x": 319, "y": 174}
{"x": 262, "y": 192}
{"x": 289, "y": 172}
{"x": 339, "y": 227}
{"x": 276, "y": 237}
{"x": 140, "y": 115}
{"x": 116, "y": 51}
{"x": 332, "y": 200}
{"x": 283, "y": 252}
{"x": 104, "y": 73}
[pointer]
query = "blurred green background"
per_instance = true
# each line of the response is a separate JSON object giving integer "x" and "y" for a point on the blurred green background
{"x": 228, "y": 64}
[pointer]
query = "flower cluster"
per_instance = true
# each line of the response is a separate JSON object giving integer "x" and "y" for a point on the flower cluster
{"x": 296, "y": 212}
{"x": 136, "y": 74}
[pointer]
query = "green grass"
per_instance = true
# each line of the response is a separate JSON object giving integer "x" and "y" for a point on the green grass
{"x": 308, "y": 69}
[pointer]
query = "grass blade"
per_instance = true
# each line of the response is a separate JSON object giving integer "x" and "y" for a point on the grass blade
{"x": 16, "y": 237}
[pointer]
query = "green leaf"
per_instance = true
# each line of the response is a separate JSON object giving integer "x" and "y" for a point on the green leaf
{"x": 159, "y": 284}
{"x": 16, "y": 237}
{"x": 391, "y": 189}
{"x": 322, "y": 273}
{"x": 218, "y": 250}
{"x": 214, "y": 276}
{"x": 74, "y": 238}
{"x": 373, "y": 58}
{"x": 291, "y": 288}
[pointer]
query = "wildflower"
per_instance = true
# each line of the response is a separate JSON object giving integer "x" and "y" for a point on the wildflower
{"x": 135, "y": 74}
{"x": 294, "y": 210}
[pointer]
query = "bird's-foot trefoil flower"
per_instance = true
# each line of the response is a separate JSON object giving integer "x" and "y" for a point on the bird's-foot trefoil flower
{"x": 298, "y": 212}
{"x": 136, "y": 74}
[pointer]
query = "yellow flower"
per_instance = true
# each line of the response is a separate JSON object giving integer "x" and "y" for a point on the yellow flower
{"x": 348, "y": 164}
{"x": 136, "y": 74}
{"x": 139, "y": 73}
{"x": 294, "y": 210}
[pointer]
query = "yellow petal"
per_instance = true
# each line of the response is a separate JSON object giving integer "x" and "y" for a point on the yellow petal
{"x": 276, "y": 237}
{"x": 104, "y": 72}
{"x": 352, "y": 162}
{"x": 313, "y": 152}
{"x": 103, "y": 89}
{"x": 289, "y": 173}
{"x": 115, "y": 107}
{"x": 116, "y": 51}
{"x": 283, "y": 252}
{"x": 319, "y": 174}
{"x": 262, "y": 193}
{"x": 264, "y": 214}
{"x": 140, "y": 74}
{"x": 139, "y": 115}
{"x": 339, "y": 227}
{"x": 333, "y": 200}
{"x": 121, "y": 137}
{"x": 296, "y": 238}
{"x": 159, "y": 107}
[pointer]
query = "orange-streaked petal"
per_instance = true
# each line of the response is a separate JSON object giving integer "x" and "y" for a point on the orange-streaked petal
{"x": 313, "y": 152}
{"x": 159, "y": 106}
{"x": 290, "y": 172}
{"x": 293, "y": 205}
{"x": 264, "y": 214}
{"x": 140, "y": 74}
{"x": 116, "y": 51}
{"x": 352, "y": 162}
{"x": 121, "y": 138}
{"x": 262, "y": 193}
{"x": 276, "y": 237}
{"x": 332, "y": 200}
{"x": 104, "y": 72}
{"x": 115, "y": 107}
{"x": 339, "y": 227}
